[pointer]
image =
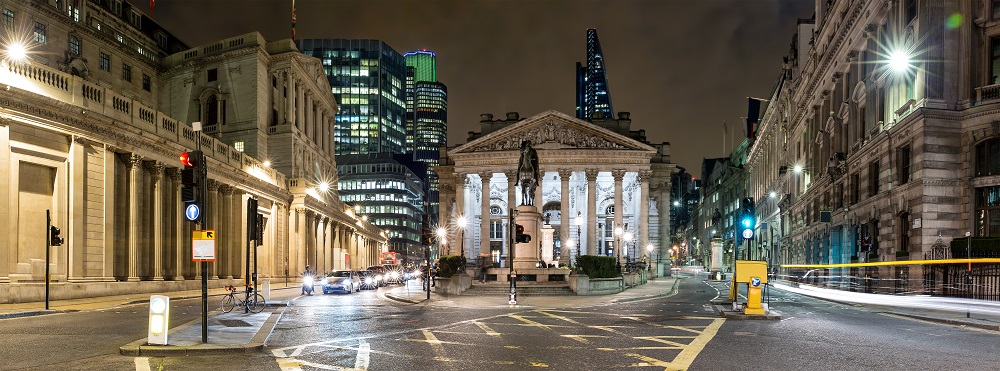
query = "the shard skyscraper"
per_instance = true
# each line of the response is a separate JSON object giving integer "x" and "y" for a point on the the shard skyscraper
{"x": 593, "y": 95}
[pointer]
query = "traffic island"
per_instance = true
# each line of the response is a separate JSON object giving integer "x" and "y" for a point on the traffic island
{"x": 729, "y": 311}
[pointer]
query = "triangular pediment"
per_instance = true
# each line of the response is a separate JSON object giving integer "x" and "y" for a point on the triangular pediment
{"x": 553, "y": 130}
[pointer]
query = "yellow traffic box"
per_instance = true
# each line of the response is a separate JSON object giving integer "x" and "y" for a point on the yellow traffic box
{"x": 754, "y": 274}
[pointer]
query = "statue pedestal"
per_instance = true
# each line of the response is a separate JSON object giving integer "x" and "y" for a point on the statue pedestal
{"x": 548, "y": 242}
{"x": 526, "y": 254}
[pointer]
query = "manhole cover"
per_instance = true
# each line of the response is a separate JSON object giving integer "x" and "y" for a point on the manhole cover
{"x": 234, "y": 323}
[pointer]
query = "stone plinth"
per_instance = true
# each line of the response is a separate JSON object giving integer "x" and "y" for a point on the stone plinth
{"x": 526, "y": 254}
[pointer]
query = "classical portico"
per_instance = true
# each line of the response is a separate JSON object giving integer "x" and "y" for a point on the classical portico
{"x": 593, "y": 192}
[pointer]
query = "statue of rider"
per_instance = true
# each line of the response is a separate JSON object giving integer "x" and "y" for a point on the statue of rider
{"x": 527, "y": 173}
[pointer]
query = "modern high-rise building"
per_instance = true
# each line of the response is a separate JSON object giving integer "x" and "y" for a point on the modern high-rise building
{"x": 424, "y": 64}
{"x": 385, "y": 189}
{"x": 593, "y": 95}
{"x": 367, "y": 78}
{"x": 427, "y": 119}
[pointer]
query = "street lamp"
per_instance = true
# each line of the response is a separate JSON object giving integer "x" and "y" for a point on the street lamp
{"x": 16, "y": 52}
{"x": 461, "y": 233}
{"x": 618, "y": 244}
{"x": 441, "y": 233}
{"x": 579, "y": 226}
{"x": 649, "y": 250}
{"x": 627, "y": 236}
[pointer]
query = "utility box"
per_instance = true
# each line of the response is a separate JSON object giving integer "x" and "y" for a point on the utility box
{"x": 159, "y": 319}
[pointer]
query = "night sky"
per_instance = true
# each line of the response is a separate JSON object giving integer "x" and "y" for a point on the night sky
{"x": 681, "y": 67}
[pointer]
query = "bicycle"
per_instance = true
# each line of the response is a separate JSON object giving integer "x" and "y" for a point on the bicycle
{"x": 231, "y": 300}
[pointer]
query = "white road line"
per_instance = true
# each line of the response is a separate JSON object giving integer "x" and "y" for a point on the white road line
{"x": 364, "y": 350}
{"x": 142, "y": 364}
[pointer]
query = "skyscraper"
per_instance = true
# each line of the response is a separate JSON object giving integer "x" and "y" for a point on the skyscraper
{"x": 367, "y": 78}
{"x": 427, "y": 119}
{"x": 593, "y": 95}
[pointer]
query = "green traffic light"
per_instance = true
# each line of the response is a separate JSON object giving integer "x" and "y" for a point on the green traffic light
{"x": 746, "y": 223}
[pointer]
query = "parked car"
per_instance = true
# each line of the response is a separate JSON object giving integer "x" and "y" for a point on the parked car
{"x": 369, "y": 280}
{"x": 341, "y": 281}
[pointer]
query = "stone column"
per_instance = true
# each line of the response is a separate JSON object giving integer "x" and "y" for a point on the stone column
{"x": 224, "y": 232}
{"x": 591, "y": 175}
{"x": 664, "y": 249}
{"x": 565, "y": 220}
{"x": 134, "y": 238}
{"x": 539, "y": 194}
{"x": 176, "y": 220}
{"x": 159, "y": 224}
{"x": 643, "y": 179}
{"x": 619, "y": 174}
{"x": 455, "y": 248}
{"x": 290, "y": 98}
{"x": 300, "y": 241}
{"x": 8, "y": 244}
{"x": 511, "y": 204}
{"x": 212, "y": 222}
{"x": 484, "y": 220}
{"x": 78, "y": 213}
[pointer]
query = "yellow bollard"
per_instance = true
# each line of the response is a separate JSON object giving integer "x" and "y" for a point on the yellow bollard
{"x": 753, "y": 298}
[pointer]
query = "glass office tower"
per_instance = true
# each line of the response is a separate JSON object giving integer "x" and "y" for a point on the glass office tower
{"x": 383, "y": 187}
{"x": 427, "y": 119}
{"x": 593, "y": 95}
{"x": 367, "y": 78}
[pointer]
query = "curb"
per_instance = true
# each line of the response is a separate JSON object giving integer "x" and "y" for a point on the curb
{"x": 402, "y": 299}
{"x": 769, "y": 315}
{"x": 139, "y": 348}
{"x": 947, "y": 321}
{"x": 35, "y": 313}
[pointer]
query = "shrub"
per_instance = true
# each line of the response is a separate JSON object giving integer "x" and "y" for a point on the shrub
{"x": 598, "y": 266}
{"x": 450, "y": 264}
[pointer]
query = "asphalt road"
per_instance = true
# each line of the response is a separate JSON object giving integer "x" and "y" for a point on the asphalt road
{"x": 367, "y": 331}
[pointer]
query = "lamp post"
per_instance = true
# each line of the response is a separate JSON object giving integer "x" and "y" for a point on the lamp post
{"x": 618, "y": 246}
{"x": 627, "y": 237}
{"x": 579, "y": 226}
{"x": 441, "y": 233}
{"x": 461, "y": 234}
{"x": 649, "y": 250}
{"x": 569, "y": 246}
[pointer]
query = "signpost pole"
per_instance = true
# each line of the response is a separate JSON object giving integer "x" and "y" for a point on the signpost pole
{"x": 203, "y": 224}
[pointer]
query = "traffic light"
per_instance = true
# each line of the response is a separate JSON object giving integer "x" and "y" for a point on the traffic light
{"x": 54, "y": 239}
{"x": 519, "y": 235}
{"x": 748, "y": 218}
{"x": 192, "y": 176}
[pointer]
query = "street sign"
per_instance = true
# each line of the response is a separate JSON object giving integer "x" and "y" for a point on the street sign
{"x": 755, "y": 281}
{"x": 192, "y": 212}
{"x": 203, "y": 245}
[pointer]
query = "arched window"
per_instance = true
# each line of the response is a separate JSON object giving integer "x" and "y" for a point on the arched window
{"x": 74, "y": 45}
{"x": 212, "y": 110}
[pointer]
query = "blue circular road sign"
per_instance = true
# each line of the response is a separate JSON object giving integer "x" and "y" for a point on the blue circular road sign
{"x": 192, "y": 212}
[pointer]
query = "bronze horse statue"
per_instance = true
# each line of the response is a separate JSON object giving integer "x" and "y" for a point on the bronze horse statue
{"x": 527, "y": 173}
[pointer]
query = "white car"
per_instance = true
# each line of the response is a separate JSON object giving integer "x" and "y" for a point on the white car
{"x": 341, "y": 281}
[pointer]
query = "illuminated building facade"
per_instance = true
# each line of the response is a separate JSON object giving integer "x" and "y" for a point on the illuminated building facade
{"x": 427, "y": 120}
{"x": 386, "y": 191}
{"x": 368, "y": 79}
{"x": 593, "y": 95}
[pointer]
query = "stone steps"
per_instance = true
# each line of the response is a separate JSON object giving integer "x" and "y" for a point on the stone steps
{"x": 527, "y": 290}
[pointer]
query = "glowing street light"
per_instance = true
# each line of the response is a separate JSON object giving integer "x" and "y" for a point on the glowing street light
{"x": 16, "y": 52}
{"x": 899, "y": 61}
{"x": 324, "y": 186}
{"x": 797, "y": 168}
{"x": 772, "y": 194}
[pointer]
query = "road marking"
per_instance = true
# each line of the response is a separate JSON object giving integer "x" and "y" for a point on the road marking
{"x": 364, "y": 350}
{"x": 487, "y": 329}
{"x": 582, "y": 338}
{"x": 689, "y": 353}
{"x": 141, "y": 363}
{"x": 289, "y": 364}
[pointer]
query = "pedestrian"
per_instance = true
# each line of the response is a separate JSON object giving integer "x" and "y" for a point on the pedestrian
{"x": 484, "y": 266}
{"x": 307, "y": 281}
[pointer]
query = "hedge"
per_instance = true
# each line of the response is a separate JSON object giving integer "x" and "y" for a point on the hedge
{"x": 450, "y": 264}
{"x": 598, "y": 266}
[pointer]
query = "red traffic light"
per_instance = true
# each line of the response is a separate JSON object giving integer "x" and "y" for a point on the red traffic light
{"x": 186, "y": 159}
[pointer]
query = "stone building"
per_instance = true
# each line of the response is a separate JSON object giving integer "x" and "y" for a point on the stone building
{"x": 595, "y": 176}
{"x": 92, "y": 122}
{"x": 876, "y": 141}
